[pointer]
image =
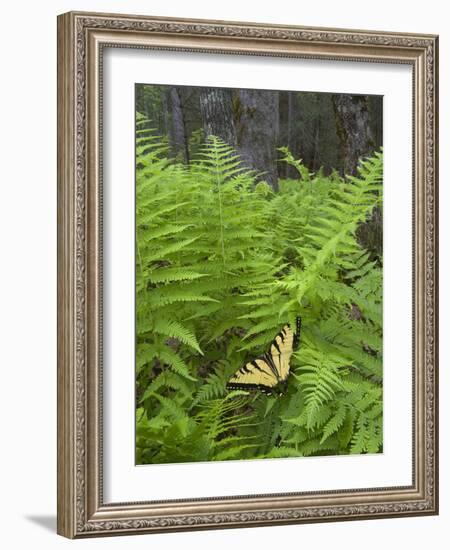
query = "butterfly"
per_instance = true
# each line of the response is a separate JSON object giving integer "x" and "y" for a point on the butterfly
{"x": 269, "y": 373}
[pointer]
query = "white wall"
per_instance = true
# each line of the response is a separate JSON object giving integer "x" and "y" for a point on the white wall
{"x": 28, "y": 268}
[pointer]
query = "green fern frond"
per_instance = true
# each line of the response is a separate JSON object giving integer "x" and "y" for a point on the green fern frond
{"x": 335, "y": 422}
{"x": 174, "y": 329}
{"x": 212, "y": 292}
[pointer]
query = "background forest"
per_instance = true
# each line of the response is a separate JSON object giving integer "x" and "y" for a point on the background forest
{"x": 253, "y": 207}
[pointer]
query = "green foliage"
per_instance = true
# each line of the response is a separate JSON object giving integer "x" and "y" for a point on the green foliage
{"x": 221, "y": 264}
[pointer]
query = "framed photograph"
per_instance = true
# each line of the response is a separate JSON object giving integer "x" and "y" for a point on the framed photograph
{"x": 247, "y": 276}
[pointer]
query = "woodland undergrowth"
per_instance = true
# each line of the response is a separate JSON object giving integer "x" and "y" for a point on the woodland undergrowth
{"x": 222, "y": 262}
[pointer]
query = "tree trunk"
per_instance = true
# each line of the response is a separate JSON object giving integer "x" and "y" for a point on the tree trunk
{"x": 217, "y": 114}
{"x": 179, "y": 138}
{"x": 290, "y": 171}
{"x": 370, "y": 234}
{"x": 353, "y": 129}
{"x": 164, "y": 124}
{"x": 290, "y": 115}
{"x": 315, "y": 163}
{"x": 257, "y": 129}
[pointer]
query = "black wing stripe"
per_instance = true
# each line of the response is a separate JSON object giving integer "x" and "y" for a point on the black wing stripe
{"x": 273, "y": 368}
{"x": 275, "y": 343}
{"x": 261, "y": 387}
{"x": 255, "y": 364}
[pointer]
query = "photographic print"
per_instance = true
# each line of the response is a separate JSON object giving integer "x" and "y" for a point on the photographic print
{"x": 247, "y": 274}
{"x": 258, "y": 274}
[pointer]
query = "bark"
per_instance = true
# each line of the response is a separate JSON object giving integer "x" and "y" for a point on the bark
{"x": 257, "y": 131}
{"x": 353, "y": 128}
{"x": 315, "y": 162}
{"x": 166, "y": 109}
{"x": 354, "y": 131}
{"x": 285, "y": 133}
{"x": 290, "y": 120}
{"x": 217, "y": 114}
{"x": 290, "y": 171}
{"x": 179, "y": 138}
{"x": 370, "y": 234}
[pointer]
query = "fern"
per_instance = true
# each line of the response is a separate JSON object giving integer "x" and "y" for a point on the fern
{"x": 213, "y": 387}
{"x": 221, "y": 263}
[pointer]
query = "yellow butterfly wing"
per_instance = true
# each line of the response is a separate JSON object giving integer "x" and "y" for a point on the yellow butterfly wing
{"x": 281, "y": 351}
{"x": 266, "y": 372}
{"x": 256, "y": 374}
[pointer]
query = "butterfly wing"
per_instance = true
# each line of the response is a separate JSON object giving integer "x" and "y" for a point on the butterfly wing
{"x": 281, "y": 351}
{"x": 254, "y": 375}
{"x": 266, "y": 372}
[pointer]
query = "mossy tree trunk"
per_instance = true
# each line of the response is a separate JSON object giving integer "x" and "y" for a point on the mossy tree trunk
{"x": 353, "y": 124}
{"x": 288, "y": 130}
{"x": 257, "y": 130}
{"x": 217, "y": 114}
{"x": 353, "y": 128}
{"x": 179, "y": 137}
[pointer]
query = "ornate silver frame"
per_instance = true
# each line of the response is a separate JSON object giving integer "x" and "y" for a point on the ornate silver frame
{"x": 81, "y": 37}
